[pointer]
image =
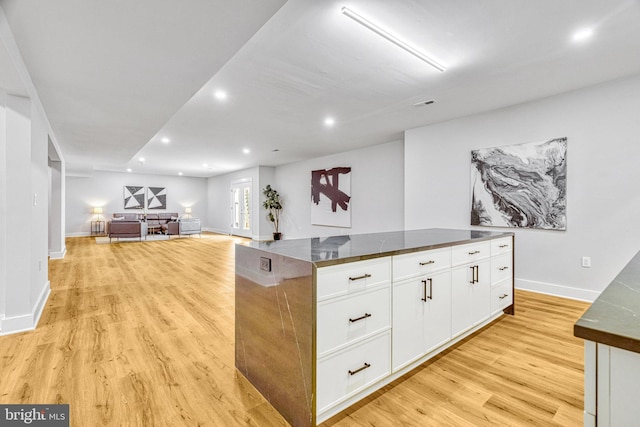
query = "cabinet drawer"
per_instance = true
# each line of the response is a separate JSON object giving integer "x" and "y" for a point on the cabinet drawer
{"x": 356, "y": 276}
{"x": 501, "y": 246}
{"x": 348, "y": 372}
{"x": 469, "y": 253}
{"x": 501, "y": 296}
{"x": 501, "y": 267}
{"x": 419, "y": 263}
{"x": 344, "y": 320}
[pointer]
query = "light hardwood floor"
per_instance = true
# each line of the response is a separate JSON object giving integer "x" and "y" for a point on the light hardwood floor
{"x": 140, "y": 334}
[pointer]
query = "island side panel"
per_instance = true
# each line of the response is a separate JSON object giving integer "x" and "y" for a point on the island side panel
{"x": 274, "y": 326}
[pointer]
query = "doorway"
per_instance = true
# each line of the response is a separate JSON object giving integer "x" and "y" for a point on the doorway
{"x": 241, "y": 208}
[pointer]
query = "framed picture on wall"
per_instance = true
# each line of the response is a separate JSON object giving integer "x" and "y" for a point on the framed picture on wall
{"x": 331, "y": 197}
{"x": 523, "y": 185}
{"x": 156, "y": 198}
{"x": 133, "y": 197}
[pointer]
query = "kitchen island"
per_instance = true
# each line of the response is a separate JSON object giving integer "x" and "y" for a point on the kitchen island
{"x": 611, "y": 329}
{"x": 323, "y": 322}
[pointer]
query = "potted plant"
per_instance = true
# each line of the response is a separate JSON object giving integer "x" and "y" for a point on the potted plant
{"x": 273, "y": 205}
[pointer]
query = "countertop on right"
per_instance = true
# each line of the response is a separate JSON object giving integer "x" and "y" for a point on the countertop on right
{"x": 614, "y": 317}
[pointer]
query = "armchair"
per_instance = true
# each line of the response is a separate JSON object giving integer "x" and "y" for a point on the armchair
{"x": 184, "y": 226}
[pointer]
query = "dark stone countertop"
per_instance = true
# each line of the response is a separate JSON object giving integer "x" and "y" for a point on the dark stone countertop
{"x": 614, "y": 317}
{"x": 324, "y": 251}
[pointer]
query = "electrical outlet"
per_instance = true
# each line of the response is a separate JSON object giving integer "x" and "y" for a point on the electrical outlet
{"x": 265, "y": 264}
{"x": 586, "y": 262}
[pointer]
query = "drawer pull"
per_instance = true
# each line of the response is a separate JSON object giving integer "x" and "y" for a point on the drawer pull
{"x": 475, "y": 275}
{"x": 503, "y": 268}
{"x": 474, "y": 252}
{"x": 424, "y": 290}
{"x": 503, "y": 296}
{"x": 503, "y": 246}
{"x": 428, "y": 262}
{"x": 364, "y": 276}
{"x": 360, "y": 318}
{"x": 366, "y": 365}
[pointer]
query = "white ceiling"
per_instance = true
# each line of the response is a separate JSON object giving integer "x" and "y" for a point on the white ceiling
{"x": 115, "y": 77}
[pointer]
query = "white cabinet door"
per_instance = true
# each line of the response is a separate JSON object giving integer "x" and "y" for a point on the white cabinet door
{"x": 408, "y": 326}
{"x": 470, "y": 295}
{"x": 437, "y": 311}
{"x": 421, "y": 316}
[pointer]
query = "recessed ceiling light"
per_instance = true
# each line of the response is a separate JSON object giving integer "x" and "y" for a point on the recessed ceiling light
{"x": 582, "y": 35}
{"x": 220, "y": 95}
{"x": 329, "y": 121}
{"x": 180, "y": 173}
{"x": 166, "y": 140}
{"x": 246, "y": 150}
{"x": 141, "y": 159}
{"x": 204, "y": 165}
{"x": 128, "y": 169}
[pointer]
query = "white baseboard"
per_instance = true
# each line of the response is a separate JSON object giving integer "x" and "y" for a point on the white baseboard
{"x": 29, "y": 321}
{"x": 557, "y": 290}
{"x": 78, "y": 234}
{"x": 215, "y": 230}
{"x": 58, "y": 255}
{"x": 266, "y": 237}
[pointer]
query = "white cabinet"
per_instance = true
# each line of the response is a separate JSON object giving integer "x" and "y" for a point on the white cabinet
{"x": 379, "y": 318}
{"x": 470, "y": 286}
{"x": 501, "y": 296}
{"x": 344, "y": 320}
{"x": 421, "y": 316}
{"x": 342, "y": 279}
{"x": 353, "y": 322}
{"x": 611, "y": 383}
{"x": 420, "y": 263}
{"x": 501, "y": 274}
{"x": 352, "y": 369}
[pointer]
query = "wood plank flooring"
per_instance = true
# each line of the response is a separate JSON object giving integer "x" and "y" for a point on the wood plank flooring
{"x": 142, "y": 334}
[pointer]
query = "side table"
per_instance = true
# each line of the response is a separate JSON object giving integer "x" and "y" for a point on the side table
{"x": 97, "y": 228}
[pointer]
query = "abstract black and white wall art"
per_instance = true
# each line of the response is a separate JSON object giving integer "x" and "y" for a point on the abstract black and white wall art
{"x": 330, "y": 197}
{"x": 156, "y": 198}
{"x": 522, "y": 185}
{"x": 133, "y": 197}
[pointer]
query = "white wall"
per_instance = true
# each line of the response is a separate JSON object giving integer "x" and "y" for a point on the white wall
{"x": 376, "y": 189}
{"x": 24, "y": 285}
{"x": 24, "y": 189}
{"x": 106, "y": 190}
{"x": 602, "y": 124}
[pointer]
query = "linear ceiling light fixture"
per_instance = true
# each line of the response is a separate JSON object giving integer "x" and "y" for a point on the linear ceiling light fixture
{"x": 382, "y": 33}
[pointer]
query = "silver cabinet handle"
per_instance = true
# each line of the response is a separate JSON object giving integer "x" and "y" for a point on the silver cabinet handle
{"x": 503, "y": 268}
{"x": 503, "y": 296}
{"x": 366, "y": 315}
{"x": 428, "y": 262}
{"x": 474, "y": 252}
{"x": 364, "y": 276}
{"x": 366, "y": 365}
{"x": 503, "y": 246}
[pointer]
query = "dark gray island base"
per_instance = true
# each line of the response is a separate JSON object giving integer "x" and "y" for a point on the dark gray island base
{"x": 611, "y": 329}
{"x": 314, "y": 316}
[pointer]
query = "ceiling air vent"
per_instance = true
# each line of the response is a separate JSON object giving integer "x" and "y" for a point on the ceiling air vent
{"x": 423, "y": 103}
